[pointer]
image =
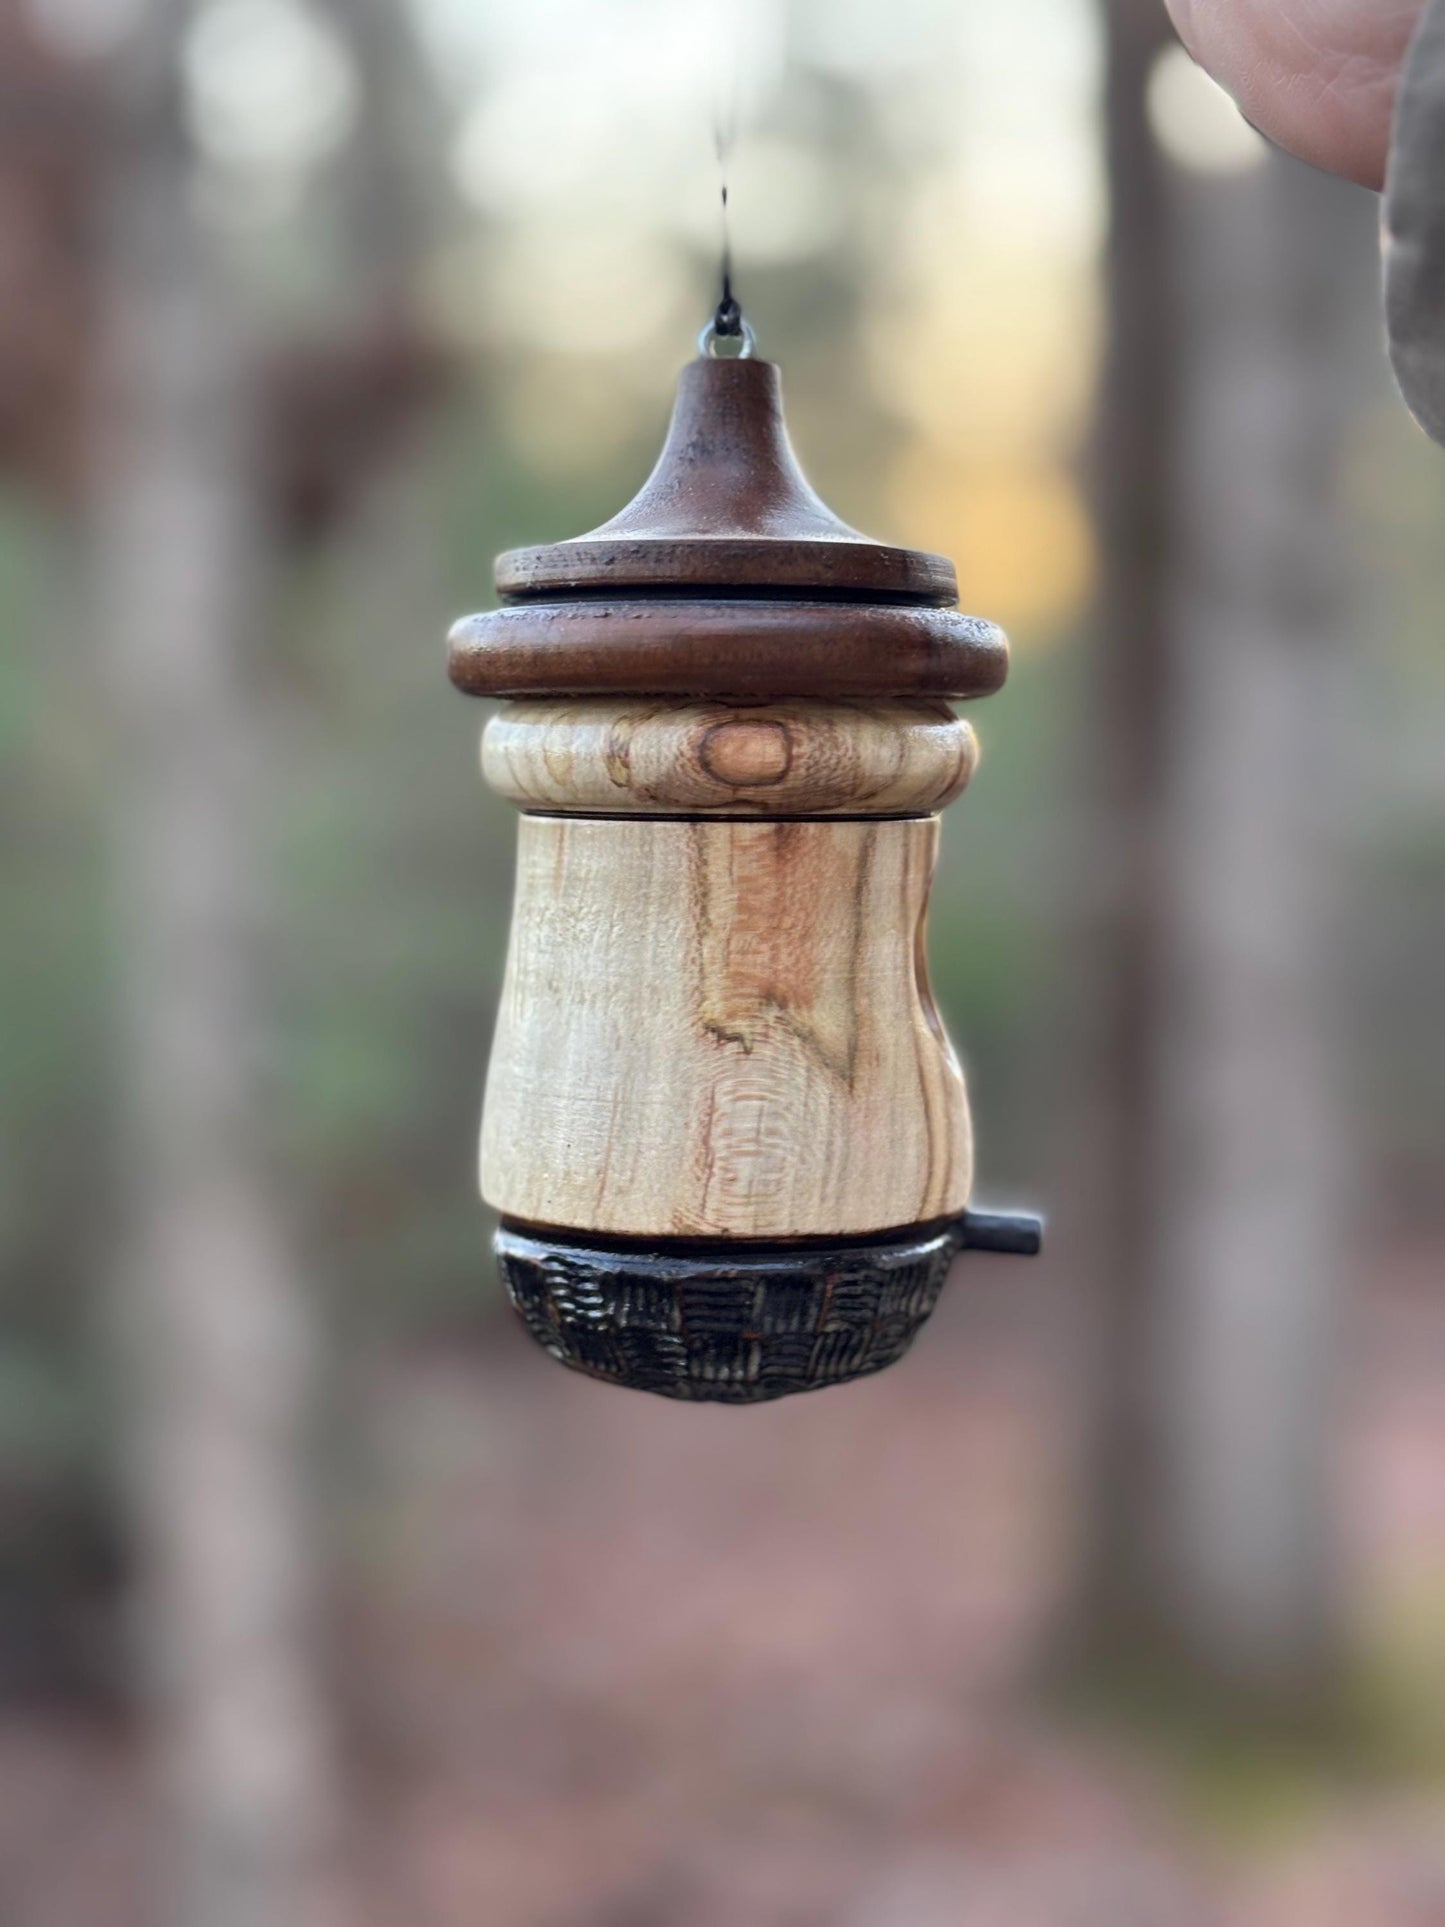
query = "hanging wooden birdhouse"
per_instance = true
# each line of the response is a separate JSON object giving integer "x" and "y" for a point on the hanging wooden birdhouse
{"x": 724, "y": 1128}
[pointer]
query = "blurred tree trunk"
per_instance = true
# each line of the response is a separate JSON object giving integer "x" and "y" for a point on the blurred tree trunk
{"x": 216, "y": 1325}
{"x": 1134, "y": 459}
{"x": 1279, "y": 286}
{"x": 394, "y": 183}
{"x": 1240, "y": 316}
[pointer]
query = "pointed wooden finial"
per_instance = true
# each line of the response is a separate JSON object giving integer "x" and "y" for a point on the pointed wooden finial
{"x": 728, "y": 576}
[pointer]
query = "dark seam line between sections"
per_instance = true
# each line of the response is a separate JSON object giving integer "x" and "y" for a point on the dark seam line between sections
{"x": 725, "y": 816}
{"x": 723, "y": 1247}
{"x": 702, "y": 592}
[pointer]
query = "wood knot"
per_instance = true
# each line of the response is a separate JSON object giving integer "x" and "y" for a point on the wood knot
{"x": 747, "y": 754}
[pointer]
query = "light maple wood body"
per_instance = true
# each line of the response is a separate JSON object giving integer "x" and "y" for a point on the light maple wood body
{"x": 723, "y": 1028}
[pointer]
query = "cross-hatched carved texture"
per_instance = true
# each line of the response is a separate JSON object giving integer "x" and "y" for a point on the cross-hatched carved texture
{"x": 736, "y": 1326}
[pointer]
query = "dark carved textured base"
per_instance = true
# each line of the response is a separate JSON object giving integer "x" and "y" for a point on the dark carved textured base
{"x": 735, "y": 1323}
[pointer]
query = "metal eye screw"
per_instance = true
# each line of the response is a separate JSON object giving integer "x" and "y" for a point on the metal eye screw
{"x": 727, "y": 334}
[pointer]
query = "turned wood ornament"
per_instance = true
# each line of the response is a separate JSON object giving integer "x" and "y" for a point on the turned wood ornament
{"x": 724, "y": 1128}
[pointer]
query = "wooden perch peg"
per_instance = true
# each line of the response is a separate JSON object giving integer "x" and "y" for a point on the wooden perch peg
{"x": 724, "y": 1127}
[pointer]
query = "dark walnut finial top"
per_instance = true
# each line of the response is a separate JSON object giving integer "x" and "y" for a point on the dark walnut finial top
{"x": 728, "y": 507}
{"x": 726, "y": 576}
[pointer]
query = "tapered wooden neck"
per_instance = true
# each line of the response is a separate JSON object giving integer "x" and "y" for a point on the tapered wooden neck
{"x": 727, "y": 468}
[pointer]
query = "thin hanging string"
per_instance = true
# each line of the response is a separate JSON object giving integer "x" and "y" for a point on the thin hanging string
{"x": 727, "y": 323}
{"x": 728, "y": 319}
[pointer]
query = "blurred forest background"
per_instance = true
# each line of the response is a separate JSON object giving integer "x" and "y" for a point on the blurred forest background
{"x": 325, "y": 1598}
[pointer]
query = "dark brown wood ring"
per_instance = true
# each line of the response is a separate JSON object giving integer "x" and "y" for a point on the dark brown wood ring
{"x": 726, "y": 647}
{"x": 861, "y": 569}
